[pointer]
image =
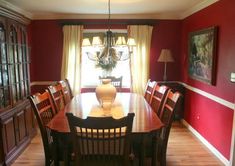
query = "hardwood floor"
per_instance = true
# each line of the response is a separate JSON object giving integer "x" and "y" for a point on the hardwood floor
{"x": 183, "y": 149}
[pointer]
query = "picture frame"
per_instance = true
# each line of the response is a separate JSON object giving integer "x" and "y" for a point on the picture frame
{"x": 202, "y": 55}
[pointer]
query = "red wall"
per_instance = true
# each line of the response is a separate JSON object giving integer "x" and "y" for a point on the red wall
{"x": 46, "y": 50}
{"x": 47, "y": 43}
{"x": 166, "y": 34}
{"x": 212, "y": 120}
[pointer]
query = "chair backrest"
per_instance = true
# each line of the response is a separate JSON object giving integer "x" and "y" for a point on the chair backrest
{"x": 166, "y": 116}
{"x": 57, "y": 94}
{"x": 68, "y": 95}
{"x": 115, "y": 81}
{"x": 158, "y": 98}
{"x": 101, "y": 138}
{"x": 149, "y": 90}
{"x": 44, "y": 111}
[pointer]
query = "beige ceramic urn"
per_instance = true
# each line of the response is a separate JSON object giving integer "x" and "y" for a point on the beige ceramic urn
{"x": 106, "y": 93}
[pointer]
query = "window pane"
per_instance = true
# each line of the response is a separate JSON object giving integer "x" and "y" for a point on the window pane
{"x": 14, "y": 93}
{"x": 1, "y": 82}
{"x": 1, "y": 98}
{"x": 91, "y": 73}
{"x": 6, "y": 96}
{"x": 5, "y": 75}
{"x": 3, "y": 53}
{"x": 123, "y": 69}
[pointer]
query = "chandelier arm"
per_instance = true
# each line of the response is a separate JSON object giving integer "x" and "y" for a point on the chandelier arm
{"x": 92, "y": 57}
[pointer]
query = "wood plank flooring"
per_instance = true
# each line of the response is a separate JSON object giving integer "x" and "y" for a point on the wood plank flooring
{"x": 184, "y": 149}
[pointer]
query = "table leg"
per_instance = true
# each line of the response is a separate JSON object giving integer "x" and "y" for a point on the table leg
{"x": 155, "y": 147}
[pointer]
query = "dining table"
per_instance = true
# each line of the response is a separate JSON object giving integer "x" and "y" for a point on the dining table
{"x": 85, "y": 105}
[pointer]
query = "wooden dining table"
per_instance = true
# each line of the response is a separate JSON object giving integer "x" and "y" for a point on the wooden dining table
{"x": 86, "y": 104}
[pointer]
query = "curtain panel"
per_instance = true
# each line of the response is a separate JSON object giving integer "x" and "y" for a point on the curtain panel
{"x": 139, "y": 61}
{"x": 71, "y": 61}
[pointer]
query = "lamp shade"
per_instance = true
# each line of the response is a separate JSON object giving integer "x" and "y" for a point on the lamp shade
{"x": 86, "y": 42}
{"x": 96, "y": 41}
{"x": 165, "y": 56}
{"x": 121, "y": 41}
{"x": 131, "y": 42}
{"x": 232, "y": 78}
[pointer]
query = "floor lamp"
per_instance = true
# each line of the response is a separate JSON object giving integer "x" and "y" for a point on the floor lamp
{"x": 165, "y": 57}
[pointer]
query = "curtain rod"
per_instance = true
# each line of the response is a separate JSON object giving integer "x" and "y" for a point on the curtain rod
{"x": 112, "y": 22}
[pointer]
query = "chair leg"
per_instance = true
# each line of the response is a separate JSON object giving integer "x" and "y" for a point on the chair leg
{"x": 154, "y": 152}
{"x": 47, "y": 162}
{"x": 163, "y": 158}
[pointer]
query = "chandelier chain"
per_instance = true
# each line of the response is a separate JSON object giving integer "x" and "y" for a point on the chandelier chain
{"x": 109, "y": 16}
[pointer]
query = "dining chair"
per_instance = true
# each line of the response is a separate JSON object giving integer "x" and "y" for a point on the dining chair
{"x": 101, "y": 140}
{"x": 149, "y": 90}
{"x": 167, "y": 115}
{"x": 44, "y": 111}
{"x": 115, "y": 81}
{"x": 57, "y": 95}
{"x": 67, "y": 92}
{"x": 156, "y": 142}
{"x": 158, "y": 98}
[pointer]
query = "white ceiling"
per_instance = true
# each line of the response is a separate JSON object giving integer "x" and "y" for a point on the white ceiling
{"x": 148, "y": 9}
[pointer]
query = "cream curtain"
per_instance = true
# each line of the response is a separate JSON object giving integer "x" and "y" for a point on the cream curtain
{"x": 71, "y": 62}
{"x": 139, "y": 62}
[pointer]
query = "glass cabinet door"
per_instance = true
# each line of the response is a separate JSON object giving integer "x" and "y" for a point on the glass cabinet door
{"x": 13, "y": 52}
{"x": 25, "y": 63}
{"x": 14, "y": 64}
{"x": 19, "y": 61}
{"x": 16, "y": 58}
{"x": 4, "y": 66}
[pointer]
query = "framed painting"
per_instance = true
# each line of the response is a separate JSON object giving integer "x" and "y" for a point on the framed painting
{"x": 202, "y": 55}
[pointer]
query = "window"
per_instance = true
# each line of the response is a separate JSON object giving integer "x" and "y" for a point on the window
{"x": 90, "y": 72}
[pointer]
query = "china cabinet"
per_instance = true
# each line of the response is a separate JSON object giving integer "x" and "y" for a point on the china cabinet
{"x": 16, "y": 118}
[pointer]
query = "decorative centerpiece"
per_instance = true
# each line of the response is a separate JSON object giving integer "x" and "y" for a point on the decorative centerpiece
{"x": 106, "y": 93}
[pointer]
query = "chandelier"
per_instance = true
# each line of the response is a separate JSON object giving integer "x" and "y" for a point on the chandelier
{"x": 107, "y": 54}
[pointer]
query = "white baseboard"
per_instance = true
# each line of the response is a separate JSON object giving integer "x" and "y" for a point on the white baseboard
{"x": 206, "y": 143}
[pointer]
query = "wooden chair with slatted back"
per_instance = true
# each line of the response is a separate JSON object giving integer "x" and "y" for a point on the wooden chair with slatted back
{"x": 101, "y": 141}
{"x": 57, "y": 95}
{"x": 67, "y": 92}
{"x": 117, "y": 83}
{"x": 149, "y": 90}
{"x": 167, "y": 114}
{"x": 158, "y": 98}
{"x": 156, "y": 144}
{"x": 44, "y": 111}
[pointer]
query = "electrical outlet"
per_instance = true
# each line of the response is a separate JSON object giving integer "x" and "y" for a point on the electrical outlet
{"x": 232, "y": 77}
{"x": 198, "y": 117}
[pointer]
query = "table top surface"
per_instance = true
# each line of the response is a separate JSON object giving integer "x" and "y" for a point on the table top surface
{"x": 86, "y": 104}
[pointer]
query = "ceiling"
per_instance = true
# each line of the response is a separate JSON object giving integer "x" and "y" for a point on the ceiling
{"x": 141, "y": 9}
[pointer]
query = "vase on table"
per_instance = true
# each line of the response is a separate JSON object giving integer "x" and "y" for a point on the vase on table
{"x": 105, "y": 94}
